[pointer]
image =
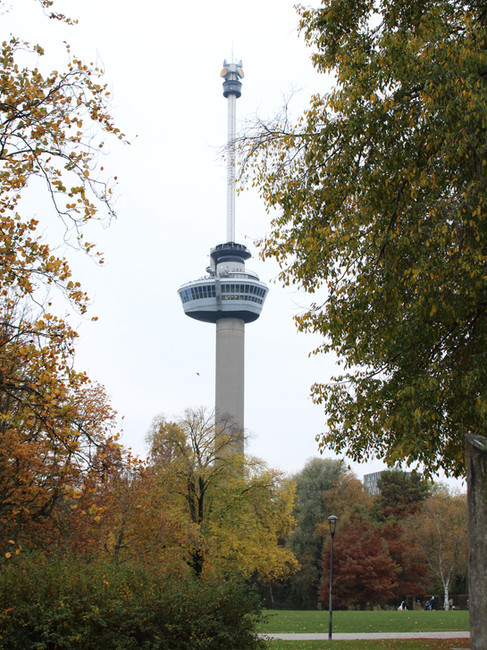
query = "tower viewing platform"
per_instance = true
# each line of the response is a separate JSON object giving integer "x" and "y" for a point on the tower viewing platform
{"x": 228, "y": 291}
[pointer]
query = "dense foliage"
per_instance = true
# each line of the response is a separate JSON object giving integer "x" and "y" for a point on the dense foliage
{"x": 313, "y": 483}
{"x": 149, "y": 554}
{"x": 62, "y": 603}
{"x": 400, "y": 494}
{"x": 240, "y": 510}
{"x": 54, "y": 421}
{"x": 385, "y": 549}
{"x": 380, "y": 192}
{"x": 362, "y": 565}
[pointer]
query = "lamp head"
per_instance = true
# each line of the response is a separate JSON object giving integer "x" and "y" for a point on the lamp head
{"x": 332, "y": 520}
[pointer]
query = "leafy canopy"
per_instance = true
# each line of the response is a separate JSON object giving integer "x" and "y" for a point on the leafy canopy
{"x": 47, "y": 133}
{"x": 380, "y": 191}
{"x": 400, "y": 494}
{"x": 241, "y": 509}
{"x": 53, "y": 420}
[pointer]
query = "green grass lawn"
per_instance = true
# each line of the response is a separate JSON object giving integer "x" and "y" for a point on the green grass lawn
{"x": 276, "y": 621}
{"x": 395, "y": 644}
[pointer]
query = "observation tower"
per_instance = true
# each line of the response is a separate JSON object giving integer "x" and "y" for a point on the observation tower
{"x": 229, "y": 295}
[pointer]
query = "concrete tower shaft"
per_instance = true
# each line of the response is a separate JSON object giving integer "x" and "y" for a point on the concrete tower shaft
{"x": 229, "y": 373}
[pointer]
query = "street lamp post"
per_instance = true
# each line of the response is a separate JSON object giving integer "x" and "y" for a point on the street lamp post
{"x": 332, "y": 520}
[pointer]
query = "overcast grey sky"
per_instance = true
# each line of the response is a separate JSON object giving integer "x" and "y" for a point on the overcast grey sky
{"x": 162, "y": 62}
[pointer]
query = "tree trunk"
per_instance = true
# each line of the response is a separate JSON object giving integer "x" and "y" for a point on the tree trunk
{"x": 477, "y": 529}
{"x": 446, "y": 594}
{"x": 271, "y": 593}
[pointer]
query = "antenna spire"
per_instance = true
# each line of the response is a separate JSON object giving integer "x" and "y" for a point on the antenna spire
{"x": 232, "y": 89}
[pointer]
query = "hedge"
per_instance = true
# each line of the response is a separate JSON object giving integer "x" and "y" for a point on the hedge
{"x": 51, "y": 603}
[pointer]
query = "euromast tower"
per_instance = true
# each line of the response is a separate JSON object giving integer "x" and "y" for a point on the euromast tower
{"x": 229, "y": 295}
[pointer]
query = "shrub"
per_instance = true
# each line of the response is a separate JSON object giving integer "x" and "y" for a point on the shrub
{"x": 51, "y": 603}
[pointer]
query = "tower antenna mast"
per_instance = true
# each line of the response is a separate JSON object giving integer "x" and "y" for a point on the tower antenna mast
{"x": 232, "y": 89}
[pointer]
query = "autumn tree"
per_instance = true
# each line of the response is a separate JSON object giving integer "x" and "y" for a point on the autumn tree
{"x": 347, "y": 495}
{"x": 363, "y": 569}
{"x": 48, "y": 137}
{"x": 52, "y": 418}
{"x": 192, "y": 454}
{"x": 52, "y": 421}
{"x": 402, "y": 495}
{"x": 375, "y": 563}
{"x": 251, "y": 517}
{"x": 441, "y": 531}
{"x": 242, "y": 510}
{"x": 52, "y": 128}
{"x": 380, "y": 191}
{"x": 413, "y": 576}
{"x": 129, "y": 518}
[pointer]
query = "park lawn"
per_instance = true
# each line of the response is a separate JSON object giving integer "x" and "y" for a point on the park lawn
{"x": 276, "y": 621}
{"x": 390, "y": 644}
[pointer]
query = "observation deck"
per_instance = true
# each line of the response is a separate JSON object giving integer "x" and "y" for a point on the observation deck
{"x": 228, "y": 291}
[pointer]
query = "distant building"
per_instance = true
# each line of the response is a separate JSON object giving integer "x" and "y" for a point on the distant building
{"x": 370, "y": 481}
